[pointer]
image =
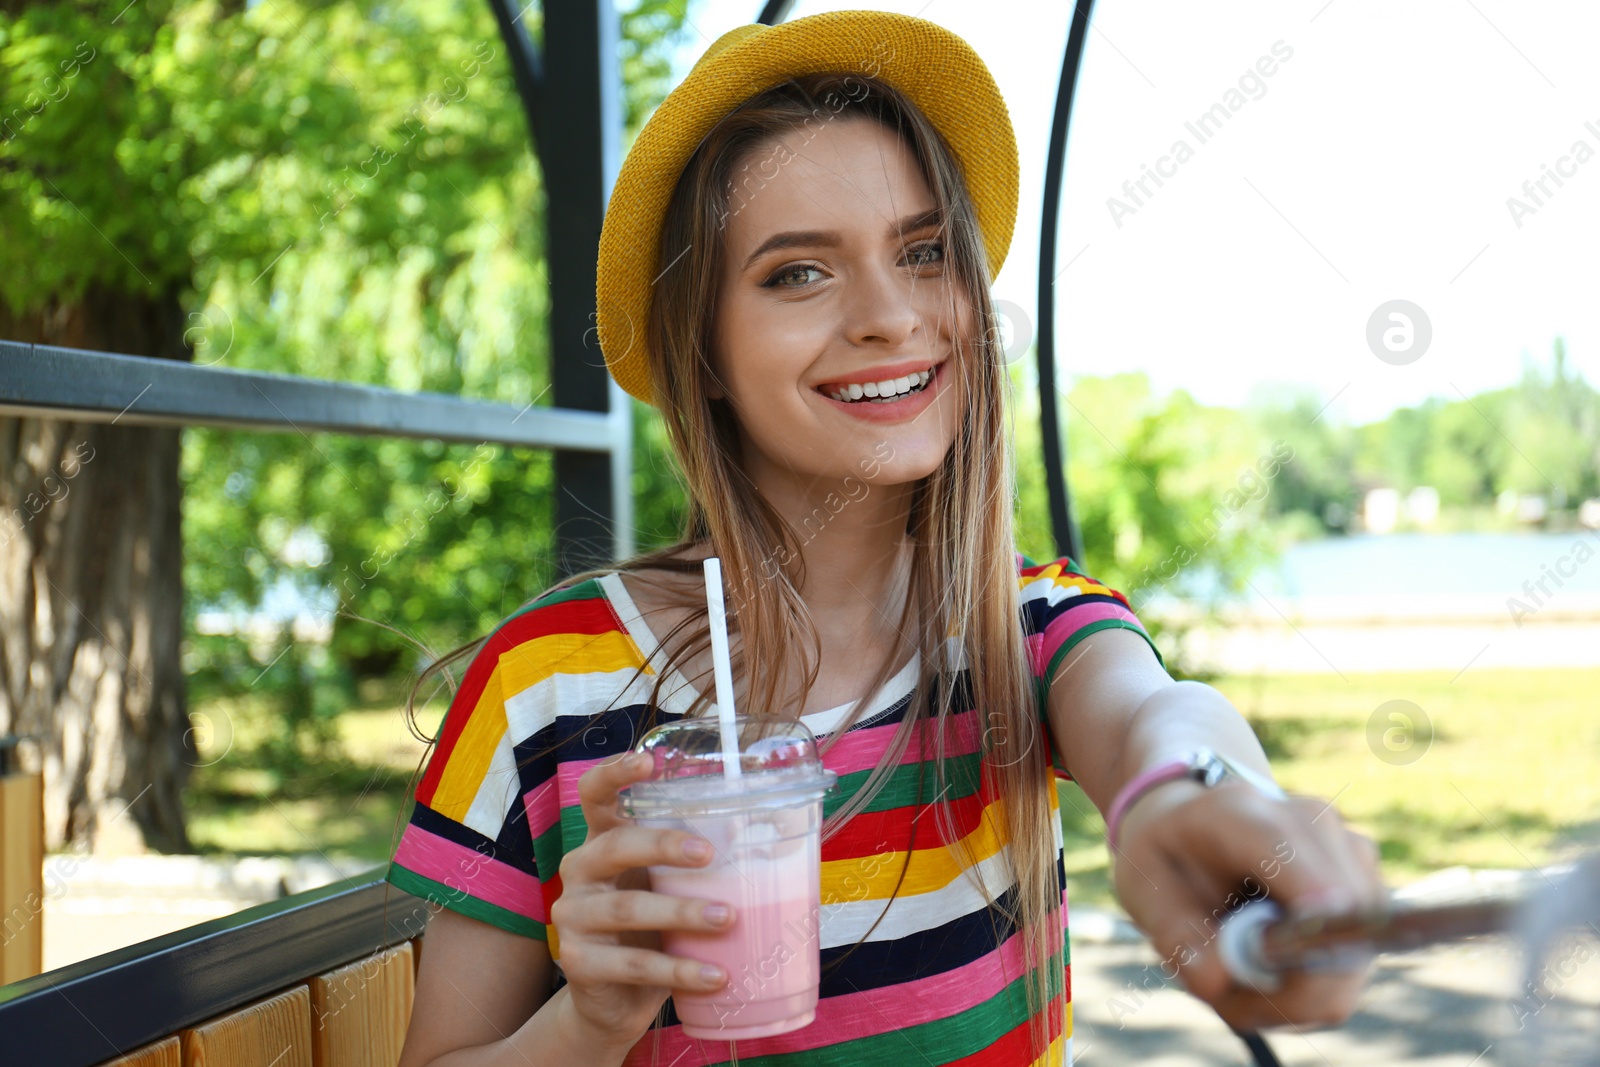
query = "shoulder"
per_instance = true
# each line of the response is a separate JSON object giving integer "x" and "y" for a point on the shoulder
{"x": 568, "y": 639}
{"x": 553, "y": 625}
{"x": 1058, "y": 579}
{"x": 580, "y": 608}
{"x": 1061, "y": 605}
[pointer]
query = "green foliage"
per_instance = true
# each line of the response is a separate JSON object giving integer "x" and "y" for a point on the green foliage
{"x": 1541, "y": 435}
{"x": 337, "y": 191}
{"x": 660, "y": 504}
{"x": 1168, "y": 494}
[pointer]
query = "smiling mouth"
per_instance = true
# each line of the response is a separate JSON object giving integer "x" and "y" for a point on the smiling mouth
{"x": 885, "y": 392}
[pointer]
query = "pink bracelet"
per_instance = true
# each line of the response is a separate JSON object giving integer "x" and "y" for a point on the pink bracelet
{"x": 1204, "y": 766}
{"x": 1138, "y": 787}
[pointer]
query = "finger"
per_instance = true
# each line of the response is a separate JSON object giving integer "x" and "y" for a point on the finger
{"x": 642, "y": 910}
{"x": 1184, "y": 932}
{"x": 1305, "y": 999}
{"x": 1368, "y": 861}
{"x": 624, "y": 847}
{"x": 591, "y": 963}
{"x": 1353, "y": 856}
{"x": 1268, "y": 850}
{"x": 598, "y": 787}
{"x": 1271, "y": 846}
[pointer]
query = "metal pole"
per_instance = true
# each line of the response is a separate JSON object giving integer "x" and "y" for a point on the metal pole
{"x": 581, "y": 123}
{"x": 1069, "y": 541}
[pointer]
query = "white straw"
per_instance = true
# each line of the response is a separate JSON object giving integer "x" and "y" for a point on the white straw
{"x": 722, "y": 667}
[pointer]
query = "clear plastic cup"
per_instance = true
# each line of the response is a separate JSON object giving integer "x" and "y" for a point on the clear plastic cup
{"x": 765, "y": 829}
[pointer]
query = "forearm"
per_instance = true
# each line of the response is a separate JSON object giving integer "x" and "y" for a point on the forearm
{"x": 1174, "y": 721}
{"x": 555, "y": 1034}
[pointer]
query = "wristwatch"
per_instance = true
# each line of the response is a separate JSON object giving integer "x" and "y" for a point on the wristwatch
{"x": 1206, "y": 766}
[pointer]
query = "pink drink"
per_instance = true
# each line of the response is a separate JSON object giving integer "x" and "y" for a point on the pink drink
{"x": 764, "y": 827}
{"x": 770, "y": 952}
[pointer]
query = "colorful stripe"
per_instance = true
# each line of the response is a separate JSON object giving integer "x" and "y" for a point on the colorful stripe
{"x": 917, "y": 966}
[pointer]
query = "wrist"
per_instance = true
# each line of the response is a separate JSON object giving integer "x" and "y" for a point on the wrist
{"x": 1201, "y": 769}
{"x": 1152, "y": 805}
{"x": 586, "y": 1041}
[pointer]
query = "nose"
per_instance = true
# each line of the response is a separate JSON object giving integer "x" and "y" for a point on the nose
{"x": 881, "y": 308}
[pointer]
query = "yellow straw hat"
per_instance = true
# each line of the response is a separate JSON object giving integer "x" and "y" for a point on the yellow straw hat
{"x": 937, "y": 70}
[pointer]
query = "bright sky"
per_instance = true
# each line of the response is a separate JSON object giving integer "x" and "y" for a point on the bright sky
{"x": 1373, "y": 164}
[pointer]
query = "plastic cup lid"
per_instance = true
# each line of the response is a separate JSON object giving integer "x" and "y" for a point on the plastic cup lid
{"x": 778, "y": 760}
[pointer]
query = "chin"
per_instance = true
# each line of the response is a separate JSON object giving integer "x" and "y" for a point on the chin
{"x": 906, "y": 467}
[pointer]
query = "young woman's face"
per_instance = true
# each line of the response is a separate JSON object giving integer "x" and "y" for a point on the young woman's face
{"x": 833, "y": 335}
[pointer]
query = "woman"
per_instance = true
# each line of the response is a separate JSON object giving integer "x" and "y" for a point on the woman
{"x": 795, "y": 268}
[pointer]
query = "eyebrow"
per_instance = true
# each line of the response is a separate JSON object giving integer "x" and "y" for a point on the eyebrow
{"x": 830, "y": 238}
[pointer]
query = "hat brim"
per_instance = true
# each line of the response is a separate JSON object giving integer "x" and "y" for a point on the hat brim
{"x": 937, "y": 70}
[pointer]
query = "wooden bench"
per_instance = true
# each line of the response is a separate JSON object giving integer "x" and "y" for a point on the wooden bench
{"x": 320, "y": 979}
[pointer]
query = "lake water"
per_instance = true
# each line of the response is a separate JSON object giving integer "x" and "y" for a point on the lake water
{"x": 1410, "y": 601}
{"x": 1434, "y": 565}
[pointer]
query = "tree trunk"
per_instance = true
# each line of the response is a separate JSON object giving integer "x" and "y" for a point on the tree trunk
{"x": 91, "y": 591}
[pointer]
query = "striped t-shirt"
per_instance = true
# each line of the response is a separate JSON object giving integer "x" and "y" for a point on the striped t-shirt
{"x": 937, "y": 981}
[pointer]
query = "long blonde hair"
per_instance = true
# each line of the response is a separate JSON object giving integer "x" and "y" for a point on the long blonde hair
{"x": 962, "y": 601}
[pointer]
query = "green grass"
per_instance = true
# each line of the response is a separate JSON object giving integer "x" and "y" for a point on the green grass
{"x": 1507, "y": 781}
{"x": 345, "y": 802}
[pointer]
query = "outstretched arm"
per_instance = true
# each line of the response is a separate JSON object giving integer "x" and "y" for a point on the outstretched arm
{"x": 1187, "y": 855}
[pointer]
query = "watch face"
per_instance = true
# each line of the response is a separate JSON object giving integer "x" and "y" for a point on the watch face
{"x": 1210, "y": 769}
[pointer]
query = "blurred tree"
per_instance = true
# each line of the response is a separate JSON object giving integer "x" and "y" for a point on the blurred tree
{"x": 323, "y": 189}
{"x": 1318, "y": 484}
{"x": 1168, "y": 493}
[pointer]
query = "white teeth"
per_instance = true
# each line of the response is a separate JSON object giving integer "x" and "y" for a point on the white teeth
{"x": 885, "y": 391}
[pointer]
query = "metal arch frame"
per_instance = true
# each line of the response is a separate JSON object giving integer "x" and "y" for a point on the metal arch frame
{"x": 590, "y": 430}
{"x": 1052, "y": 443}
{"x": 1066, "y": 531}
{"x": 1068, "y": 538}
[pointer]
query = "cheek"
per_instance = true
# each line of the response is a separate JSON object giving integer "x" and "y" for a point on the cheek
{"x": 763, "y": 353}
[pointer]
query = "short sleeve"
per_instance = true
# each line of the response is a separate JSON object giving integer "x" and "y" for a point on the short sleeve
{"x": 469, "y": 844}
{"x": 1060, "y": 607}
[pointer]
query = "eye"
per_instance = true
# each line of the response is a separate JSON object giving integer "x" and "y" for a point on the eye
{"x": 927, "y": 255}
{"x": 777, "y": 281}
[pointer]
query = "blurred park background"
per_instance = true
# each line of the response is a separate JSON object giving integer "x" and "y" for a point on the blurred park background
{"x": 1402, "y": 602}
